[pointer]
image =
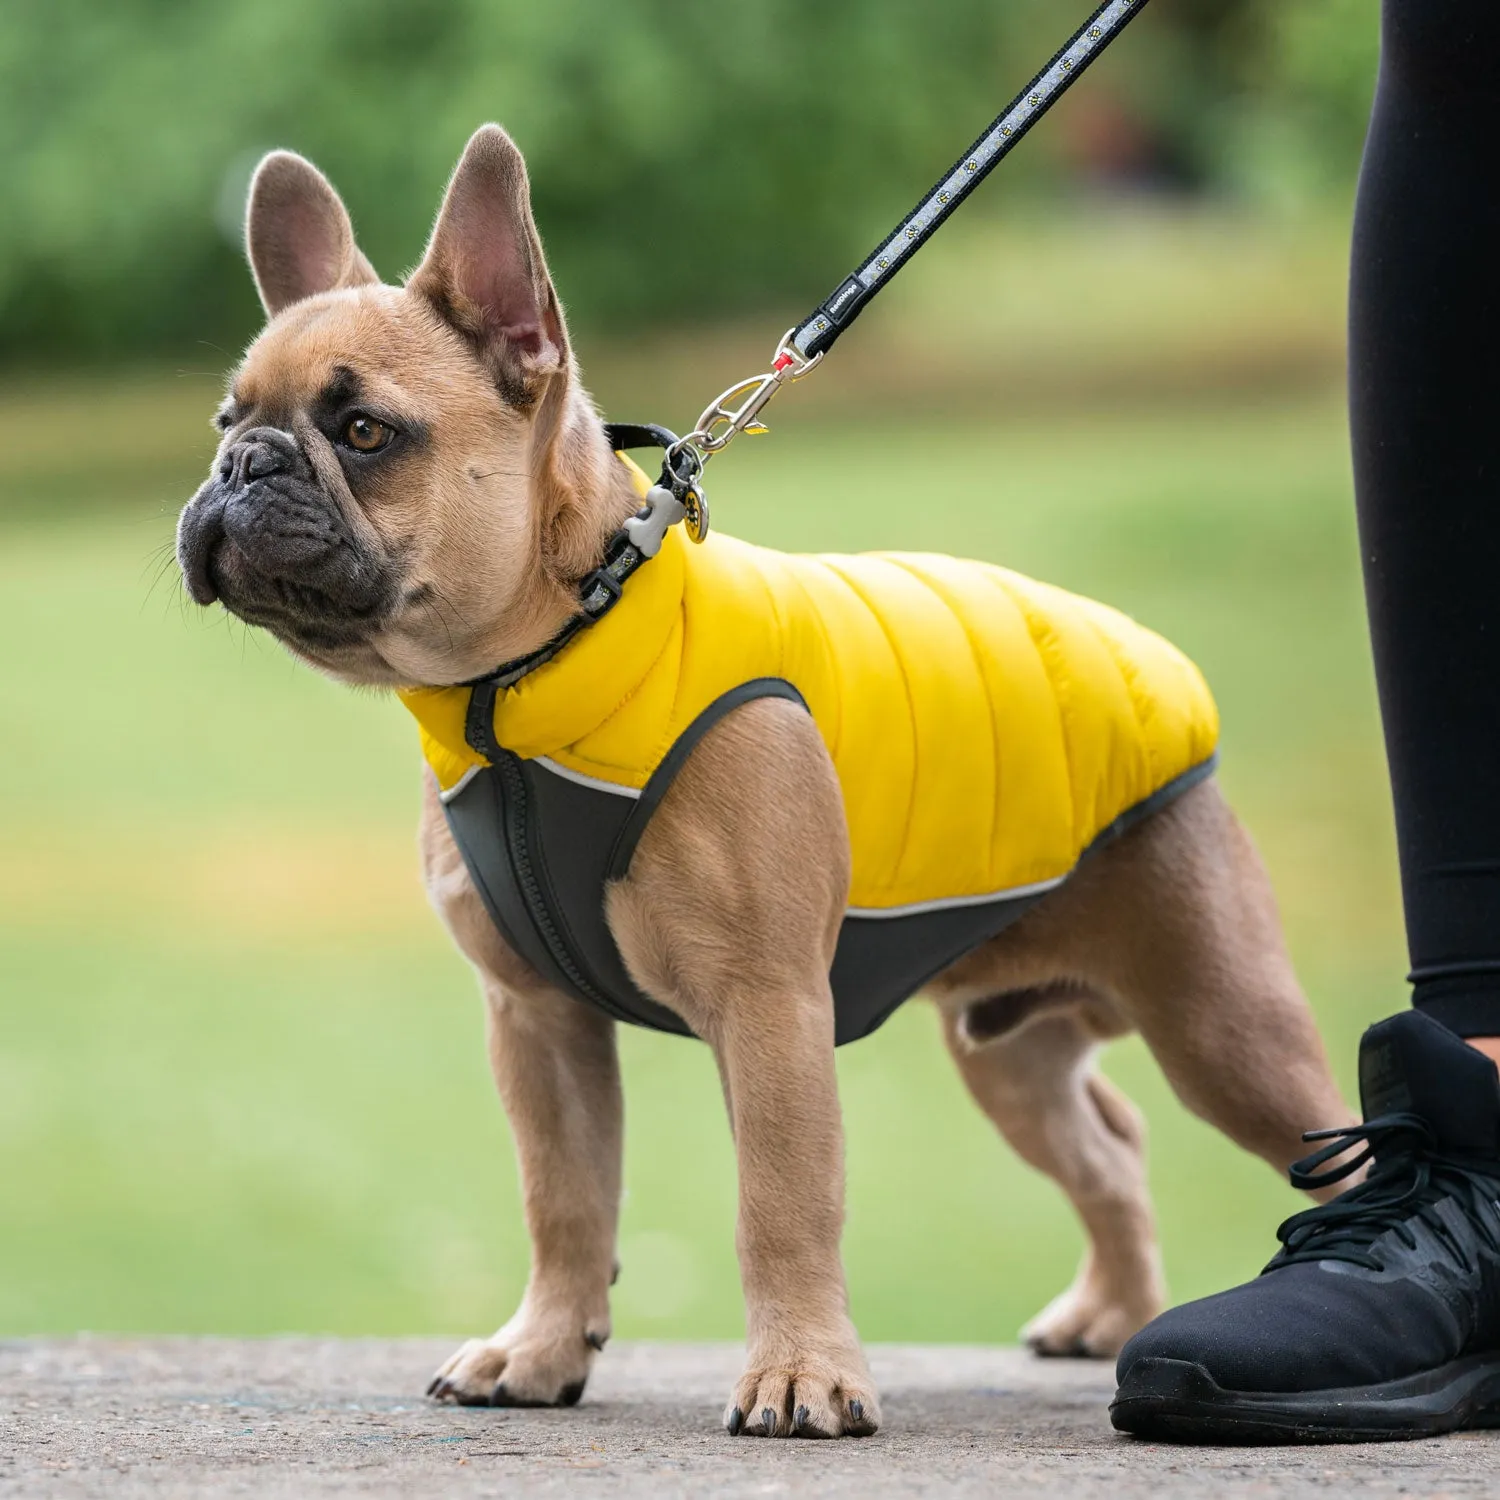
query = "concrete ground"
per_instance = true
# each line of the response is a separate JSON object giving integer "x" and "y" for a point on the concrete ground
{"x": 313, "y": 1417}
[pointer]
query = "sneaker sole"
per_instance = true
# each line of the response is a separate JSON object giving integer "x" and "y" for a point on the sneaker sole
{"x": 1180, "y": 1401}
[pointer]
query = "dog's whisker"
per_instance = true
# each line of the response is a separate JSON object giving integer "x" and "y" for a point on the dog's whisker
{"x": 159, "y": 568}
{"x": 434, "y": 606}
{"x": 447, "y": 604}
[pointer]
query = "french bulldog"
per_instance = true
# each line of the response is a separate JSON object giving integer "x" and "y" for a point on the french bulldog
{"x": 411, "y": 484}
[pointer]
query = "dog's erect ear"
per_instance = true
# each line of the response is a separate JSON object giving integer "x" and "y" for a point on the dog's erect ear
{"x": 298, "y": 235}
{"x": 484, "y": 271}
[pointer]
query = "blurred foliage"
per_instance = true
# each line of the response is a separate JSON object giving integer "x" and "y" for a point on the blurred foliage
{"x": 690, "y": 157}
{"x": 1304, "y": 81}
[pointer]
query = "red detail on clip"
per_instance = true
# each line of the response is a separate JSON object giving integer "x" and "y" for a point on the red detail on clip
{"x": 782, "y": 362}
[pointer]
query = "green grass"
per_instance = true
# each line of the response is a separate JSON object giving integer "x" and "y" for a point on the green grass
{"x": 242, "y": 1084}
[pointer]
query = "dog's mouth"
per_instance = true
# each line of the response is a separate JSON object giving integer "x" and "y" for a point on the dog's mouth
{"x": 301, "y": 613}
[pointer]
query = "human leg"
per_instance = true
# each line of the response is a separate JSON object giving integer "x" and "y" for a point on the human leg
{"x": 1380, "y": 1316}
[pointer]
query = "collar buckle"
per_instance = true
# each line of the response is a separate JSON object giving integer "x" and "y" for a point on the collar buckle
{"x": 599, "y": 593}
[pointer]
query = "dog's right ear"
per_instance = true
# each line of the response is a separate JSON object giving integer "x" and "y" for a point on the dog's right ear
{"x": 298, "y": 235}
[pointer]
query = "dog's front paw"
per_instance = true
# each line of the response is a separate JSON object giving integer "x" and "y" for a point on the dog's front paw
{"x": 524, "y": 1364}
{"x": 1092, "y": 1320}
{"x": 805, "y": 1391}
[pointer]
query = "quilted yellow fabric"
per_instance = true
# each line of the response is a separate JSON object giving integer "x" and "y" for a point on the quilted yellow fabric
{"x": 984, "y": 727}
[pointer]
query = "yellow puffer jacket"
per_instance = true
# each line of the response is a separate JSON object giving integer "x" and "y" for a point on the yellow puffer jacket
{"x": 985, "y": 728}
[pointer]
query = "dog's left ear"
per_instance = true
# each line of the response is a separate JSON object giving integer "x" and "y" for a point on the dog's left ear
{"x": 484, "y": 271}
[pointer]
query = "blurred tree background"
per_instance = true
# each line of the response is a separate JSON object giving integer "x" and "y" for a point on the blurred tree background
{"x": 690, "y": 158}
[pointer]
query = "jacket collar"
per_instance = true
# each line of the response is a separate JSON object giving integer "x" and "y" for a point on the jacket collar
{"x": 573, "y": 693}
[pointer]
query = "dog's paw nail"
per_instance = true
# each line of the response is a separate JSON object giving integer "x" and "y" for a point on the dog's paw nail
{"x": 570, "y": 1394}
{"x": 499, "y": 1396}
{"x": 799, "y": 1418}
{"x": 768, "y": 1421}
{"x": 857, "y": 1410}
{"x": 433, "y": 1384}
{"x": 595, "y": 1340}
{"x": 734, "y": 1421}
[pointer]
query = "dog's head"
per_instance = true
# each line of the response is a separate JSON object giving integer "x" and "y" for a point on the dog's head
{"x": 410, "y": 478}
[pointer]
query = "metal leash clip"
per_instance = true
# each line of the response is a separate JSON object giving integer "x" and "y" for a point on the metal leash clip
{"x": 732, "y": 412}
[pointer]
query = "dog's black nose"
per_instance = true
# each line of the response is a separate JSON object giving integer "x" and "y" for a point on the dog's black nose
{"x": 256, "y": 454}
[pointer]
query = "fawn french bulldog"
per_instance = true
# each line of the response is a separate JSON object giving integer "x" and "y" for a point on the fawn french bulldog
{"x": 760, "y": 799}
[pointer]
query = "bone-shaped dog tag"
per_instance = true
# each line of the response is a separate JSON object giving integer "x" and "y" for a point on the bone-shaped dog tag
{"x": 663, "y": 509}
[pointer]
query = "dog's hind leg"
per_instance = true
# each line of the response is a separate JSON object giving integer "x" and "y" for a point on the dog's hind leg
{"x": 1036, "y": 1081}
{"x": 1171, "y": 930}
{"x": 1183, "y": 932}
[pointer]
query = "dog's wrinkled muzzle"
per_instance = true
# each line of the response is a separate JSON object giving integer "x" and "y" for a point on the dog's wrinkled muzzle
{"x": 263, "y": 536}
{"x": 224, "y": 509}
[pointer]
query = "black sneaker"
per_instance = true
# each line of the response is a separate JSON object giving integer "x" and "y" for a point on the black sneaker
{"x": 1380, "y": 1316}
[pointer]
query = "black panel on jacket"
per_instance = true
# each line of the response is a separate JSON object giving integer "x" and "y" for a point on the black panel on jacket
{"x": 541, "y": 847}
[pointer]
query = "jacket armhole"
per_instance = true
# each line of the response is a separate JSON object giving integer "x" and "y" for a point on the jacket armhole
{"x": 665, "y": 774}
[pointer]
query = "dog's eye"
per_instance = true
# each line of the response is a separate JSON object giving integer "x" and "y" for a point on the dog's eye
{"x": 367, "y": 435}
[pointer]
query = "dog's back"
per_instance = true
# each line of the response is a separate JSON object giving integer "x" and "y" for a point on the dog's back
{"x": 985, "y": 728}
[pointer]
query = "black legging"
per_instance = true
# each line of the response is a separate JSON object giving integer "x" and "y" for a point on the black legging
{"x": 1424, "y": 384}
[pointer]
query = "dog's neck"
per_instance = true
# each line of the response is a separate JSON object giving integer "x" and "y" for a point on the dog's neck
{"x": 582, "y": 495}
{"x": 584, "y": 492}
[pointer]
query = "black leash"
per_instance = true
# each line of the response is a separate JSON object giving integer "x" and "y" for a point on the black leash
{"x": 816, "y": 333}
{"x": 803, "y": 346}
{"x": 678, "y": 494}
